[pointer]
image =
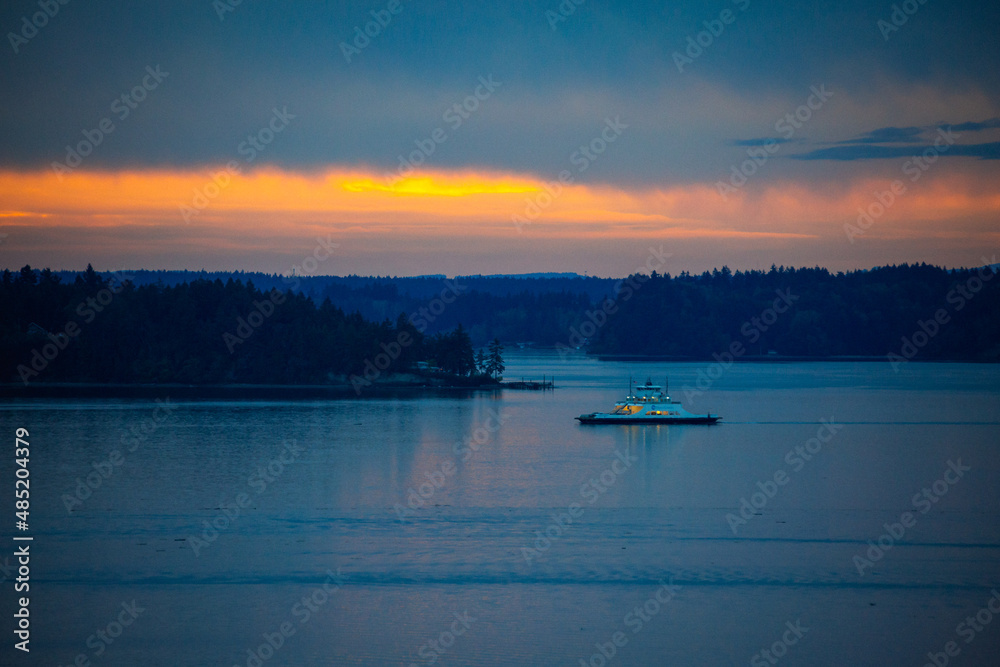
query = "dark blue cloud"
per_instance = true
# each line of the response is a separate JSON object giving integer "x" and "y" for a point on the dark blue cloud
{"x": 987, "y": 151}
{"x": 894, "y": 142}
{"x": 916, "y": 135}
{"x": 889, "y": 135}
{"x": 991, "y": 124}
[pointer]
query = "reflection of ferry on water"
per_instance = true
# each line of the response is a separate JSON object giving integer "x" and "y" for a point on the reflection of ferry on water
{"x": 647, "y": 404}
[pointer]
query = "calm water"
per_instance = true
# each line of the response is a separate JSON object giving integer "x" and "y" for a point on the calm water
{"x": 318, "y": 546}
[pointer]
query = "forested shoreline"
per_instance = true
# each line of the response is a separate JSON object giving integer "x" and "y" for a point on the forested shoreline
{"x": 103, "y": 328}
{"x": 916, "y": 312}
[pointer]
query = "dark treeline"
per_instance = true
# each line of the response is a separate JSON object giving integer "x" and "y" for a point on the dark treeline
{"x": 416, "y": 288}
{"x": 538, "y": 309}
{"x": 231, "y": 331}
{"x": 525, "y": 316}
{"x": 98, "y": 329}
{"x": 858, "y": 313}
{"x": 863, "y": 313}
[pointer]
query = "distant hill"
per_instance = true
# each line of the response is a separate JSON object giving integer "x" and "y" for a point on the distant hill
{"x": 415, "y": 286}
{"x": 515, "y": 308}
{"x": 525, "y": 275}
{"x": 929, "y": 311}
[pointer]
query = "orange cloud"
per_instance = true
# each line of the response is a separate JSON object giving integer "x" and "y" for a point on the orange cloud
{"x": 447, "y": 213}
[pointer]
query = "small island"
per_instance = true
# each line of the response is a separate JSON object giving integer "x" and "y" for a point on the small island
{"x": 105, "y": 331}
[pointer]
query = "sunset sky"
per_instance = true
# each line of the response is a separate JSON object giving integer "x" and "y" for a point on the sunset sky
{"x": 466, "y": 138}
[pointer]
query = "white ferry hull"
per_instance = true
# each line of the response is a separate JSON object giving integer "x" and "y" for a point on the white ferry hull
{"x": 606, "y": 418}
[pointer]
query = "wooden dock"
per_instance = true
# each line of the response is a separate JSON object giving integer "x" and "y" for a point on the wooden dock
{"x": 534, "y": 385}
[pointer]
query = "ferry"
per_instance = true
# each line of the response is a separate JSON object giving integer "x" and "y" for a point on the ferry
{"x": 647, "y": 404}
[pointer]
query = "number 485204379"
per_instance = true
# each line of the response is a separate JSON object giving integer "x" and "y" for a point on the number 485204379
{"x": 21, "y": 487}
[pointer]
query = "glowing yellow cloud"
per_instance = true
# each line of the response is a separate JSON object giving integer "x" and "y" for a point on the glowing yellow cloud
{"x": 437, "y": 187}
{"x": 20, "y": 214}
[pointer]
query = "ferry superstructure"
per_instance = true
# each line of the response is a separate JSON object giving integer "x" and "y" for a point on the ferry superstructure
{"x": 647, "y": 404}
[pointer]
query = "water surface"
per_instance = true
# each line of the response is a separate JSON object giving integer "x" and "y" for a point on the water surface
{"x": 528, "y": 530}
